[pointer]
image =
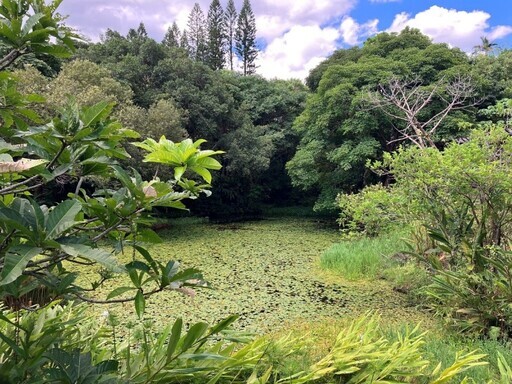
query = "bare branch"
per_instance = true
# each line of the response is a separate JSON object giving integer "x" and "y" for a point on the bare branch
{"x": 405, "y": 99}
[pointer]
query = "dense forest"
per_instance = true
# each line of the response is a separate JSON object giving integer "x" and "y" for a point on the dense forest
{"x": 99, "y": 140}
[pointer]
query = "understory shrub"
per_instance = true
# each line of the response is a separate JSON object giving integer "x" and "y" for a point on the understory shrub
{"x": 462, "y": 197}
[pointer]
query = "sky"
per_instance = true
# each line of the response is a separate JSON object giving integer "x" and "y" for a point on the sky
{"x": 294, "y": 36}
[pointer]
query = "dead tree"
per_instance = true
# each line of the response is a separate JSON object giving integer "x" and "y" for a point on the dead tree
{"x": 404, "y": 100}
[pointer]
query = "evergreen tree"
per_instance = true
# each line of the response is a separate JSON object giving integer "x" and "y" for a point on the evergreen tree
{"x": 197, "y": 34}
{"x": 230, "y": 16}
{"x": 245, "y": 39}
{"x": 184, "y": 42}
{"x": 216, "y": 36}
{"x": 137, "y": 34}
{"x": 141, "y": 31}
{"x": 172, "y": 36}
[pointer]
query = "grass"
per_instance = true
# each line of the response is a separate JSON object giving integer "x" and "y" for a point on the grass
{"x": 363, "y": 257}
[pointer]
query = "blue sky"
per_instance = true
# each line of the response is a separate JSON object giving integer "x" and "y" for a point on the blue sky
{"x": 296, "y": 35}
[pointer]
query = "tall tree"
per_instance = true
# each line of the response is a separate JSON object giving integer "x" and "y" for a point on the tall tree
{"x": 197, "y": 33}
{"x": 139, "y": 33}
{"x": 172, "y": 36}
{"x": 245, "y": 39}
{"x": 230, "y": 16}
{"x": 184, "y": 42}
{"x": 485, "y": 47}
{"x": 216, "y": 36}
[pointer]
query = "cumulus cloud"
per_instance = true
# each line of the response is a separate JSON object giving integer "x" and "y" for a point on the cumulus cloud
{"x": 458, "y": 28}
{"x": 293, "y": 39}
{"x": 352, "y": 32}
{"x": 298, "y": 51}
{"x": 296, "y": 34}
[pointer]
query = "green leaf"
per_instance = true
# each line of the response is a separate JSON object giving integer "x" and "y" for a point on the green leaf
{"x": 94, "y": 254}
{"x": 149, "y": 236}
{"x": 203, "y": 172}
{"x": 54, "y": 50}
{"x": 62, "y": 218}
{"x": 140, "y": 303}
{"x": 144, "y": 252}
{"x": 94, "y": 113}
{"x": 31, "y": 22}
{"x": 223, "y": 324}
{"x": 119, "y": 291}
{"x": 194, "y": 333}
{"x": 179, "y": 171}
{"x": 174, "y": 338}
{"x": 15, "y": 262}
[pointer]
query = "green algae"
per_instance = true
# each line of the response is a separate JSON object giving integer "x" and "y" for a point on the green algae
{"x": 268, "y": 272}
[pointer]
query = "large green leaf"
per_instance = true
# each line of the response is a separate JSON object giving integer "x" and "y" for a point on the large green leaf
{"x": 94, "y": 113}
{"x": 193, "y": 335}
{"x": 94, "y": 254}
{"x": 174, "y": 339}
{"x": 16, "y": 260}
{"x": 31, "y": 22}
{"x": 140, "y": 303}
{"x": 62, "y": 218}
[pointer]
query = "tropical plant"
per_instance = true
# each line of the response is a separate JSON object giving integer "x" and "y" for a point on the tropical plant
{"x": 78, "y": 151}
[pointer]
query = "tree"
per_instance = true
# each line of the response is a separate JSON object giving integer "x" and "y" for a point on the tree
{"x": 196, "y": 34}
{"x": 485, "y": 47}
{"x": 230, "y": 16}
{"x": 245, "y": 39}
{"x": 216, "y": 36}
{"x": 172, "y": 36}
{"x": 340, "y": 130}
{"x": 33, "y": 34}
{"x": 184, "y": 43}
{"x": 406, "y": 100}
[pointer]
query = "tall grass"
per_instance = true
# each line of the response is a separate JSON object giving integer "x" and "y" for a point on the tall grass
{"x": 363, "y": 257}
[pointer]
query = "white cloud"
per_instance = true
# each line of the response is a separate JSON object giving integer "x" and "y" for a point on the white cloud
{"x": 499, "y": 32}
{"x": 457, "y": 28}
{"x": 353, "y": 32}
{"x": 275, "y": 17}
{"x": 298, "y": 51}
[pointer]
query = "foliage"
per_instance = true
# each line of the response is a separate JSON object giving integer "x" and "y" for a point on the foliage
{"x": 72, "y": 346}
{"x": 60, "y": 344}
{"x": 39, "y": 240}
{"x": 197, "y": 36}
{"x": 372, "y": 211}
{"x": 231, "y": 17}
{"x": 216, "y": 36}
{"x": 363, "y": 257}
{"x": 233, "y": 112}
{"x": 245, "y": 39}
{"x": 340, "y": 130}
{"x": 462, "y": 197}
{"x": 172, "y": 36}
